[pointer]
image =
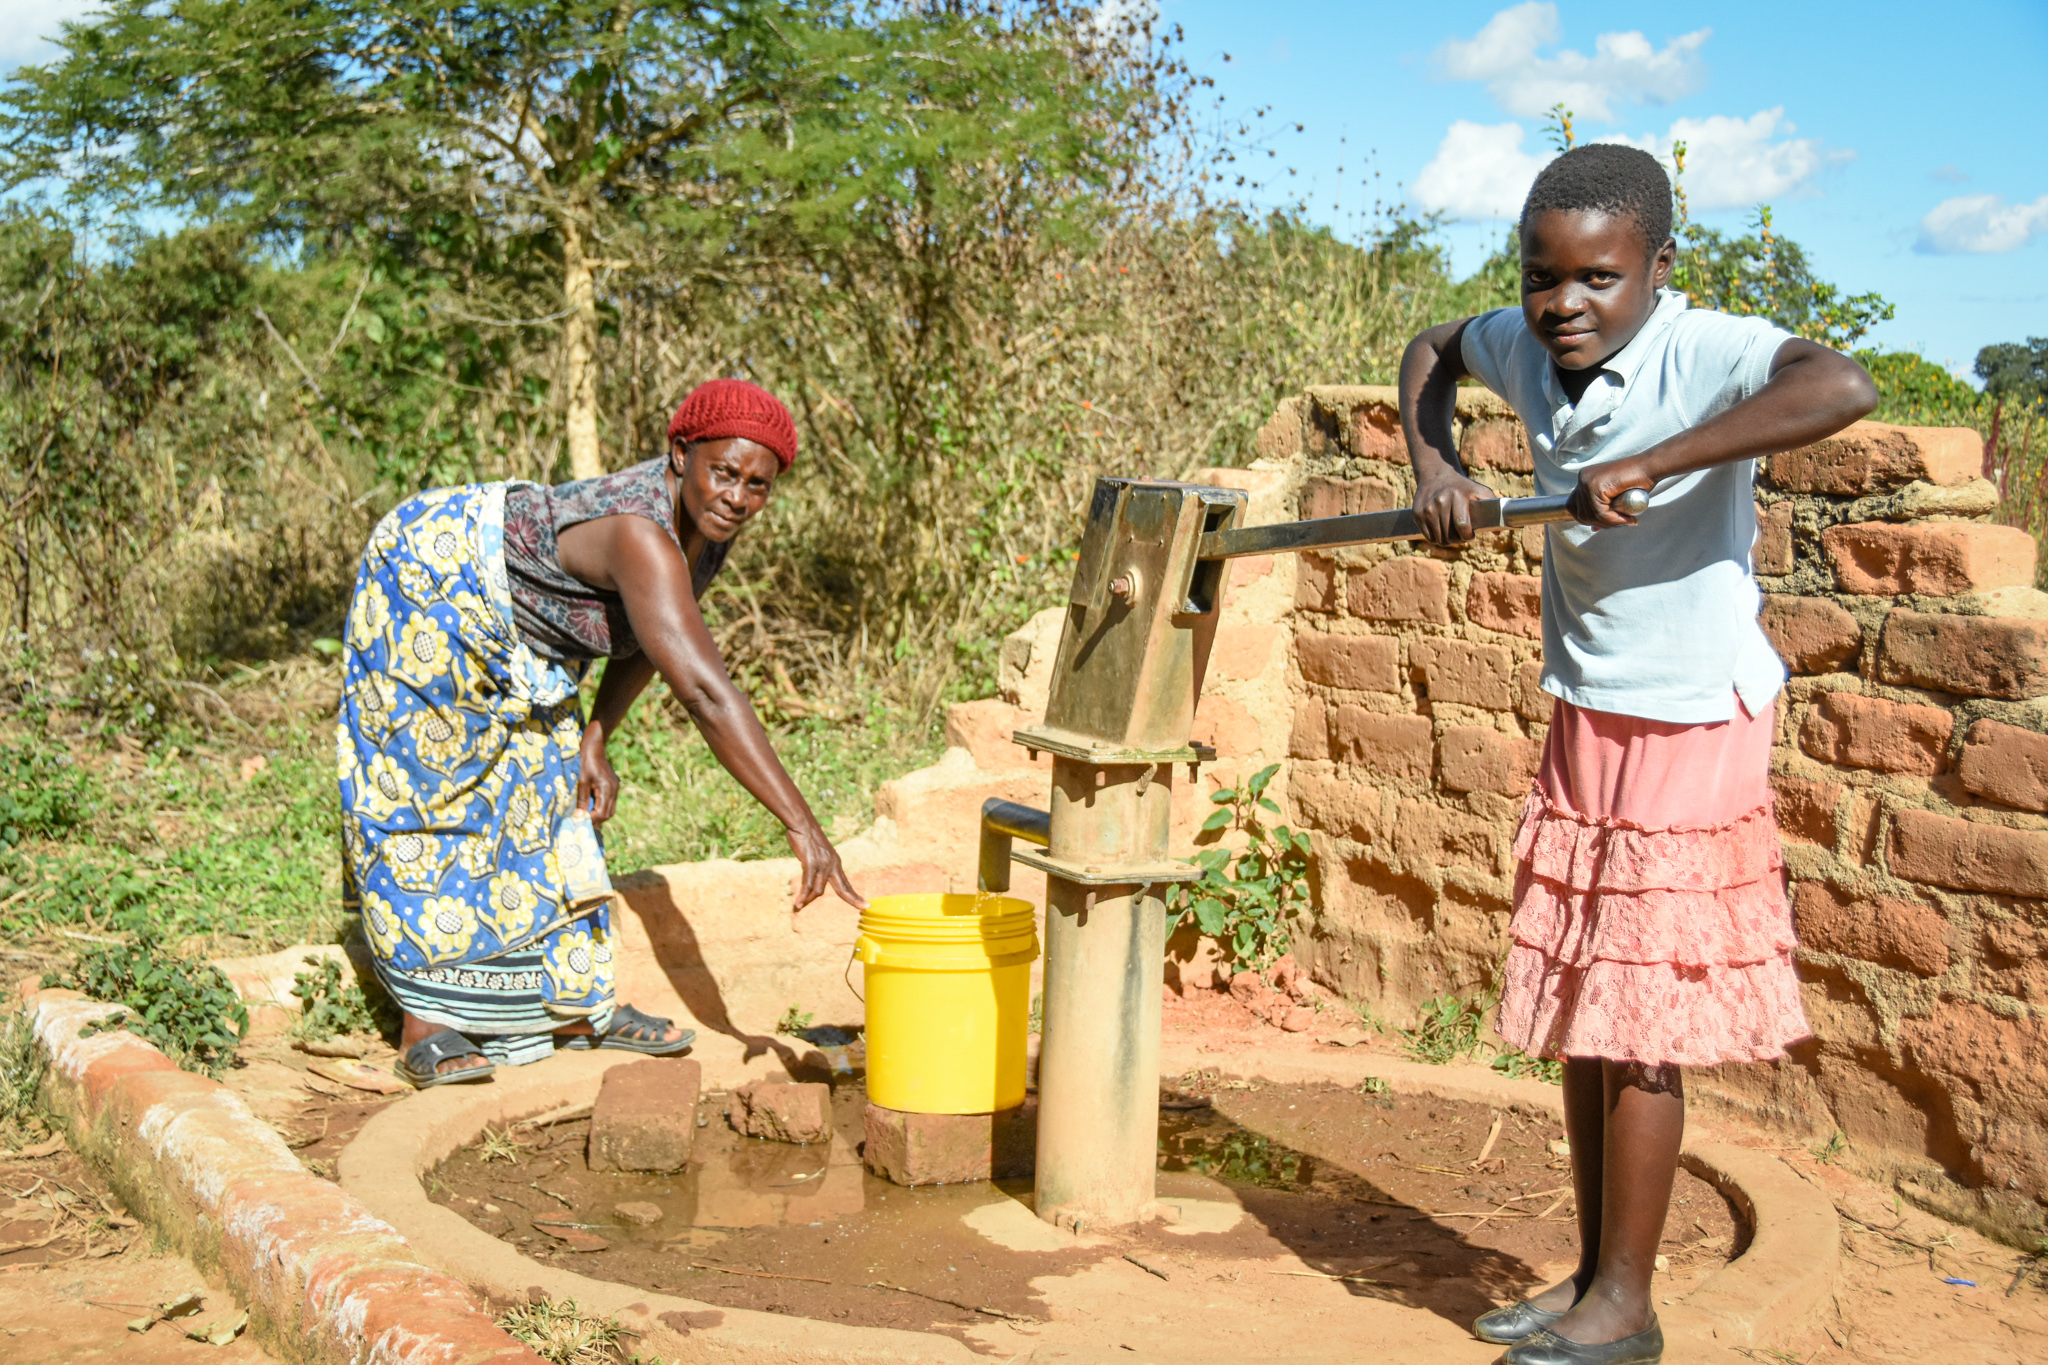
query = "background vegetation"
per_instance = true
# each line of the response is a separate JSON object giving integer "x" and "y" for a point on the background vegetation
{"x": 268, "y": 267}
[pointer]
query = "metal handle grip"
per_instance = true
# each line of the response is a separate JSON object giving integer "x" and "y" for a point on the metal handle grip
{"x": 1399, "y": 524}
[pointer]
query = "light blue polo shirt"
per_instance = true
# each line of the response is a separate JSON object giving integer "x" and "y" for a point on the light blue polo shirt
{"x": 1657, "y": 620}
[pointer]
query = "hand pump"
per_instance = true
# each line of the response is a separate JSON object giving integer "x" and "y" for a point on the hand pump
{"x": 1141, "y": 617}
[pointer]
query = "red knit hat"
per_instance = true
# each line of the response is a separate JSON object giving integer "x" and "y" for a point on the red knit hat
{"x": 733, "y": 407}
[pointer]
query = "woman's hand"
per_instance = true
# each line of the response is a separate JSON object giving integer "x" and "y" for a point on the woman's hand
{"x": 597, "y": 786}
{"x": 821, "y": 869}
{"x": 1443, "y": 507}
{"x": 1592, "y": 501}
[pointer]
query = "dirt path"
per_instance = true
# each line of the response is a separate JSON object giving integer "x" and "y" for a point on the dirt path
{"x": 76, "y": 1270}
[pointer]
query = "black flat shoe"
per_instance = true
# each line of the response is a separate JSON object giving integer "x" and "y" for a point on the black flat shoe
{"x": 1506, "y": 1326}
{"x": 1548, "y": 1348}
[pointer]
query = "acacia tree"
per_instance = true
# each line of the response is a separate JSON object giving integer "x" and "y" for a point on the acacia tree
{"x": 559, "y": 129}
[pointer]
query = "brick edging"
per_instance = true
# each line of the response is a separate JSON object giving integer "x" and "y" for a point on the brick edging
{"x": 325, "y": 1281}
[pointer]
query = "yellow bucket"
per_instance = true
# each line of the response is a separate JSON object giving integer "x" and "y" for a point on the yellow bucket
{"x": 948, "y": 1001}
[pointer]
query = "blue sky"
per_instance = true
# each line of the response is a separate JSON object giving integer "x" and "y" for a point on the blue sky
{"x": 1899, "y": 145}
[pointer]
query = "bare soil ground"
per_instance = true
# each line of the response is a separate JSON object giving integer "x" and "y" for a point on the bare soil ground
{"x": 76, "y": 1271}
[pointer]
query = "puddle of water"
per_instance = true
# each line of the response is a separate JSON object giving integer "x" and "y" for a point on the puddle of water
{"x": 1206, "y": 1143}
{"x": 735, "y": 1183}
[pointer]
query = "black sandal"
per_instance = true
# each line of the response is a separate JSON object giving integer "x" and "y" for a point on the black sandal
{"x": 420, "y": 1067}
{"x": 632, "y": 1031}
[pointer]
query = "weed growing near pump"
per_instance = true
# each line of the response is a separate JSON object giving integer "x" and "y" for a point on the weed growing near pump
{"x": 187, "y": 1008}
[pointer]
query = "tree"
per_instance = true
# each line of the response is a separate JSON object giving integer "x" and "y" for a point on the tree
{"x": 1765, "y": 275}
{"x": 553, "y": 135}
{"x": 2014, "y": 374}
{"x": 544, "y": 137}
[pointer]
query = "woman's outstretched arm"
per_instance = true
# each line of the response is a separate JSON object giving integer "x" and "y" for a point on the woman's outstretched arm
{"x": 635, "y": 558}
{"x": 1812, "y": 393}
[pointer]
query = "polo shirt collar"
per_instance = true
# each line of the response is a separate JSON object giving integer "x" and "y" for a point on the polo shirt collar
{"x": 1604, "y": 394}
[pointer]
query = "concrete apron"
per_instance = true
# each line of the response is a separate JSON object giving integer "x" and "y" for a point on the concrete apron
{"x": 1765, "y": 1296}
{"x": 374, "y": 1271}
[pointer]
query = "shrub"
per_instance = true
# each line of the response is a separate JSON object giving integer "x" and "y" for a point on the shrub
{"x": 43, "y": 793}
{"x": 328, "y": 1007}
{"x": 188, "y": 1009}
{"x": 1246, "y": 899}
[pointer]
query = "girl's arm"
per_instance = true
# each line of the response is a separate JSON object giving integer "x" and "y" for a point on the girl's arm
{"x": 635, "y": 558}
{"x": 1430, "y": 370}
{"x": 1812, "y": 393}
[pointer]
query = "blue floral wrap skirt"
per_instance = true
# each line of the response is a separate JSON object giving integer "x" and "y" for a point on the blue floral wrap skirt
{"x": 482, "y": 889}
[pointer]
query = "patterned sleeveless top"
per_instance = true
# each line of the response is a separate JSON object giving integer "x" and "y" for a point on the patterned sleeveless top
{"x": 559, "y": 616}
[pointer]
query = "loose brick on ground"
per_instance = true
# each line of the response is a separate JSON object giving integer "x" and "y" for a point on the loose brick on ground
{"x": 645, "y": 1117}
{"x": 1811, "y": 634}
{"x": 1969, "y": 856}
{"x": 1980, "y": 656}
{"x": 949, "y": 1149}
{"x": 1939, "y": 558}
{"x": 1869, "y": 732}
{"x": 2005, "y": 763}
{"x": 1409, "y": 588}
{"x": 783, "y": 1111}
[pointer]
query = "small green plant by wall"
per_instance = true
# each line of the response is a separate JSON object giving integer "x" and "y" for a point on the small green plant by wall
{"x": 186, "y": 1008}
{"x": 1247, "y": 899}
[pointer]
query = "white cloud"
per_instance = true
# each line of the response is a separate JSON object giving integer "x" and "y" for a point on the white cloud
{"x": 28, "y": 28}
{"x": 1624, "y": 67}
{"x": 1737, "y": 162}
{"x": 1480, "y": 171}
{"x": 1981, "y": 224}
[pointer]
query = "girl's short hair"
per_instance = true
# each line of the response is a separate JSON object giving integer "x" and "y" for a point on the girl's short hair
{"x": 1608, "y": 178}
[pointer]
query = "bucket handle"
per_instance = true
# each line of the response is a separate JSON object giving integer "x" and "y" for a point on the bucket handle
{"x": 847, "y": 976}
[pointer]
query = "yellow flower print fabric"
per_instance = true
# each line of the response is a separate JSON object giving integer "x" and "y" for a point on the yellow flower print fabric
{"x": 457, "y": 757}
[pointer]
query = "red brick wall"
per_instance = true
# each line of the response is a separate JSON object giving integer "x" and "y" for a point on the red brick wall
{"x": 1911, "y": 771}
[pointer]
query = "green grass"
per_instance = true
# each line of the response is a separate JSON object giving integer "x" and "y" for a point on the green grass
{"x": 176, "y": 836}
{"x": 172, "y": 834}
{"x": 677, "y": 805}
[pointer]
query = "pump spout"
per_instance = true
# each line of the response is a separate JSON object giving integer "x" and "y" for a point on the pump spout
{"x": 1002, "y": 821}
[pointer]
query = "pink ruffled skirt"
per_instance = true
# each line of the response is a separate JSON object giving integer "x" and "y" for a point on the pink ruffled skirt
{"x": 1650, "y": 921}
